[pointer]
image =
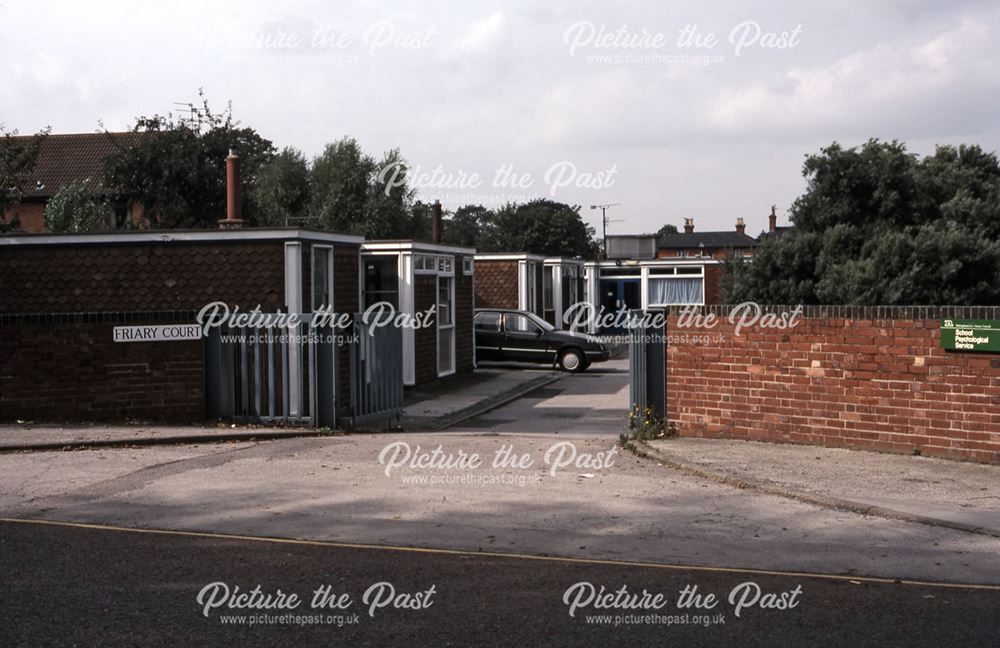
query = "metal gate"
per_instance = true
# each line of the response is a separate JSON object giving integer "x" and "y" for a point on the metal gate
{"x": 376, "y": 373}
{"x": 289, "y": 375}
{"x": 647, "y": 363}
{"x": 278, "y": 375}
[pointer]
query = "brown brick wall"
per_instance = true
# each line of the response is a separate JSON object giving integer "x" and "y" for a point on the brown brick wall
{"x": 496, "y": 284}
{"x": 425, "y": 339}
{"x": 464, "y": 342}
{"x": 67, "y": 370}
{"x": 860, "y": 379}
{"x": 177, "y": 276}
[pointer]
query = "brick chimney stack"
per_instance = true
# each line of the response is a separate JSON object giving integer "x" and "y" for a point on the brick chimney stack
{"x": 233, "y": 218}
{"x": 772, "y": 220}
{"x": 436, "y": 232}
{"x": 688, "y": 225}
{"x": 741, "y": 226}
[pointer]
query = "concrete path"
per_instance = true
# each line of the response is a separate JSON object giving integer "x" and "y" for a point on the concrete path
{"x": 948, "y": 492}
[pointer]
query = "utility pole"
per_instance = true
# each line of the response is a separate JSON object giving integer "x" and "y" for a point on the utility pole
{"x": 604, "y": 223}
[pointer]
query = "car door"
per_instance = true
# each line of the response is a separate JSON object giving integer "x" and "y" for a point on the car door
{"x": 488, "y": 336}
{"x": 524, "y": 340}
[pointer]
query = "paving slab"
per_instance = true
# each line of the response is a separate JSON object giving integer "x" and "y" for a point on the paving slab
{"x": 950, "y": 491}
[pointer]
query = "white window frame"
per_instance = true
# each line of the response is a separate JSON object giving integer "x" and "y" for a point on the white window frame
{"x": 312, "y": 274}
{"x": 450, "y": 277}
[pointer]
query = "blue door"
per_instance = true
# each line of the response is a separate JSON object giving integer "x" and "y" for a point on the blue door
{"x": 618, "y": 295}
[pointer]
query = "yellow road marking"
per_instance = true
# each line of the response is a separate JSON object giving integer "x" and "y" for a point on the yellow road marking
{"x": 499, "y": 554}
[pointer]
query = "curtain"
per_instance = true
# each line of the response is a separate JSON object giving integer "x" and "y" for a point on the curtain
{"x": 675, "y": 291}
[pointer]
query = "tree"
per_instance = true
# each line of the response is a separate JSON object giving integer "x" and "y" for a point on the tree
{"x": 340, "y": 179}
{"x": 666, "y": 229}
{"x": 77, "y": 207}
{"x": 281, "y": 192}
{"x": 177, "y": 169}
{"x": 463, "y": 227}
{"x": 878, "y": 225}
{"x": 18, "y": 156}
{"x": 541, "y": 226}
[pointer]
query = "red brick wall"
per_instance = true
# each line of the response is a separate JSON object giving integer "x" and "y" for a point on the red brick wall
{"x": 72, "y": 370}
{"x": 713, "y": 284}
{"x": 30, "y": 216}
{"x": 496, "y": 284}
{"x": 869, "y": 378}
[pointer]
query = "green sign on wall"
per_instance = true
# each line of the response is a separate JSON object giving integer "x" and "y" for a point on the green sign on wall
{"x": 970, "y": 335}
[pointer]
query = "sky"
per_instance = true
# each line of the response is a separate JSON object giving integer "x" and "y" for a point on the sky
{"x": 668, "y": 109}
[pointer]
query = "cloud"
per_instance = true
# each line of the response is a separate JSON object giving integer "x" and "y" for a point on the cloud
{"x": 912, "y": 91}
{"x": 484, "y": 35}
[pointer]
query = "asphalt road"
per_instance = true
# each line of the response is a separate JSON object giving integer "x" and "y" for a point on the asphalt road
{"x": 66, "y": 586}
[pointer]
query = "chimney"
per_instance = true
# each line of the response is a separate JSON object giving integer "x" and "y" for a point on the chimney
{"x": 688, "y": 225}
{"x": 233, "y": 218}
{"x": 772, "y": 220}
{"x": 741, "y": 226}
{"x": 436, "y": 222}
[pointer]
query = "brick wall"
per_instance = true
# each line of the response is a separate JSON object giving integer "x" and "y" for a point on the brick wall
{"x": 871, "y": 378}
{"x": 464, "y": 341}
{"x": 68, "y": 368}
{"x": 713, "y": 284}
{"x": 177, "y": 276}
{"x": 425, "y": 339}
{"x": 496, "y": 284}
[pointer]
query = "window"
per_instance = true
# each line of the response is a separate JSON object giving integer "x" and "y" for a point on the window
{"x": 682, "y": 254}
{"x": 488, "y": 321}
{"x": 531, "y": 276}
{"x": 516, "y": 323}
{"x": 547, "y": 303}
{"x": 446, "y": 324}
{"x": 445, "y": 314}
{"x": 381, "y": 280}
{"x": 665, "y": 291}
{"x": 467, "y": 265}
{"x": 322, "y": 277}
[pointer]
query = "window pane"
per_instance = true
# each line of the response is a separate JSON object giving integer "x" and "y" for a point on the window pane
{"x": 321, "y": 295}
{"x": 488, "y": 321}
{"x": 519, "y": 324}
{"x": 444, "y": 301}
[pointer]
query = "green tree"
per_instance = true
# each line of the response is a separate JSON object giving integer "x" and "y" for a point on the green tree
{"x": 541, "y": 226}
{"x": 177, "y": 169}
{"x": 18, "y": 156}
{"x": 340, "y": 179}
{"x": 282, "y": 190}
{"x": 77, "y": 207}
{"x": 878, "y": 225}
{"x": 463, "y": 227}
{"x": 667, "y": 229}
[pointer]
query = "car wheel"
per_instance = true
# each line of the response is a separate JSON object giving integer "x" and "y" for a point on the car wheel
{"x": 572, "y": 360}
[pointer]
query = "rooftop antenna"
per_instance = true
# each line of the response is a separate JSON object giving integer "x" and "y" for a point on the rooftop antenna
{"x": 195, "y": 119}
{"x": 605, "y": 221}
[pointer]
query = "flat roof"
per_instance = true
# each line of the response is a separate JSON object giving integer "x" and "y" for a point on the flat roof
{"x": 509, "y": 256}
{"x": 180, "y": 236}
{"x": 414, "y": 246}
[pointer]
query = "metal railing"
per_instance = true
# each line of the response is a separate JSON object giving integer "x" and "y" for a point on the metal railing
{"x": 276, "y": 375}
{"x": 646, "y": 365}
{"x": 376, "y": 361}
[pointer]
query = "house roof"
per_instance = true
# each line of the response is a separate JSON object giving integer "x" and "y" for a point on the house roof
{"x": 684, "y": 240}
{"x": 74, "y": 157}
